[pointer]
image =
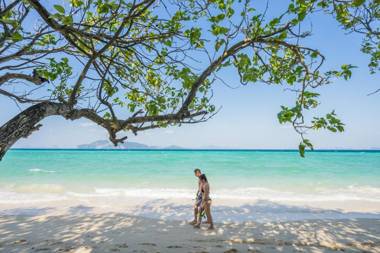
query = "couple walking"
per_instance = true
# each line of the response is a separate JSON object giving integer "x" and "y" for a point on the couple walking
{"x": 202, "y": 201}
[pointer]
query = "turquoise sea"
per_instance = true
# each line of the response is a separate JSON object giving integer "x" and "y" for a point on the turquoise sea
{"x": 237, "y": 174}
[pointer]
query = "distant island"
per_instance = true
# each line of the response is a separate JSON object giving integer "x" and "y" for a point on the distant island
{"x": 105, "y": 144}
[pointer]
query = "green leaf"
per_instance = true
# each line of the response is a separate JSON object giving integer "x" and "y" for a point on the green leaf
{"x": 308, "y": 143}
{"x": 103, "y": 8}
{"x": 301, "y": 149}
{"x": 286, "y": 115}
{"x": 59, "y": 8}
{"x": 107, "y": 115}
{"x": 347, "y": 71}
{"x": 108, "y": 88}
{"x": 219, "y": 43}
{"x": 68, "y": 20}
{"x": 16, "y": 36}
{"x": 358, "y": 3}
{"x": 274, "y": 22}
{"x": 46, "y": 40}
{"x": 217, "y": 18}
{"x": 314, "y": 54}
{"x": 194, "y": 35}
{"x": 217, "y": 30}
{"x": 76, "y": 3}
{"x": 291, "y": 7}
{"x": 283, "y": 35}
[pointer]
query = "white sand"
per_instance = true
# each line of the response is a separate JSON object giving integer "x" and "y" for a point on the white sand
{"x": 160, "y": 226}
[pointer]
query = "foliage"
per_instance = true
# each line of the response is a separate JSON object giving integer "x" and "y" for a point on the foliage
{"x": 138, "y": 65}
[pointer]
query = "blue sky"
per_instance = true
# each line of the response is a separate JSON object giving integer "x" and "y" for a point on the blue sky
{"x": 248, "y": 118}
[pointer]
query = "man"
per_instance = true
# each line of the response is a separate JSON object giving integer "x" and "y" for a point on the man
{"x": 198, "y": 198}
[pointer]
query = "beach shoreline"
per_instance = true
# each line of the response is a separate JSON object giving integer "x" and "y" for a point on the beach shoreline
{"x": 179, "y": 207}
{"x": 95, "y": 201}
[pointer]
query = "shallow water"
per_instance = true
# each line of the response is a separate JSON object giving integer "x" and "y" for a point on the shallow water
{"x": 37, "y": 175}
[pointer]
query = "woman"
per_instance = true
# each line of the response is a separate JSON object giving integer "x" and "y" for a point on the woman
{"x": 206, "y": 203}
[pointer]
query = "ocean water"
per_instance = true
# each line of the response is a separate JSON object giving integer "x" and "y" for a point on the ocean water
{"x": 38, "y": 175}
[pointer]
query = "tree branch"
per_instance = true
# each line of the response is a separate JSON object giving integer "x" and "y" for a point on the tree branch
{"x": 30, "y": 78}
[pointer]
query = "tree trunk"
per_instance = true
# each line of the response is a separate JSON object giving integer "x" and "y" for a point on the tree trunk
{"x": 27, "y": 121}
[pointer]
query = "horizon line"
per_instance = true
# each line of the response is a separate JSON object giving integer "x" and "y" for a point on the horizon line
{"x": 206, "y": 149}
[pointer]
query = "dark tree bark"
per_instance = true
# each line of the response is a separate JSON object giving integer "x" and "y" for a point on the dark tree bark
{"x": 26, "y": 122}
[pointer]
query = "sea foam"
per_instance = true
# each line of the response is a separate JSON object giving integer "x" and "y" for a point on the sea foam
{"x": 244, "y": 195}
{"x": 353, "y": 193}
{"x": 41, "y": 170}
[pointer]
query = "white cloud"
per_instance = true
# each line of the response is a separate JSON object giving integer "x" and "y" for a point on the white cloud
{"x": 87, "y": 124}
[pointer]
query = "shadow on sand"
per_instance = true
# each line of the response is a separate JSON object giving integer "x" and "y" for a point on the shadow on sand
{"x": 166, "y": 230}
{"x": 261, "y": 211}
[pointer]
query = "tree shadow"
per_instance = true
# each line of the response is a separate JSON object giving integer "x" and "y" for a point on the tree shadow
{"x": 260, "y": 211}
{"x": 156, "y": 228}
{"x": 80, "y": 209}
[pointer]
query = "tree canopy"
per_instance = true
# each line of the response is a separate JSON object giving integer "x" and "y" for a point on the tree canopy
{"x": 144, "y": 64}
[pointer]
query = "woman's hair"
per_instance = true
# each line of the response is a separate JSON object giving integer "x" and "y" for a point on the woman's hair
{"x": 197, "y": 170}
{"x": 203, "y": 177}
